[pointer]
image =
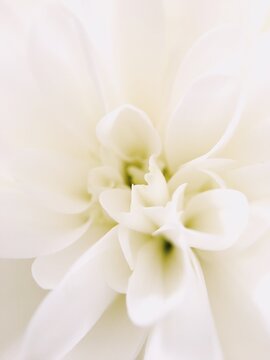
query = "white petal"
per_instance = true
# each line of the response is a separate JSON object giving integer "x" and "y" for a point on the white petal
{"x": 63, "y": 64}
{"x": 19, "y": 297}
{"x": 200, "y": 175}
{"x": 188, "y": 19}
{"x": 262, "y": 298}
{"x": 113, "y": 336}
{"x": 103, "y": 177}
{"x": 115, "y": 202}
{"x": 97, "y": 19}
{"x": 215, "y": 52}
{"x": 201, "y": 119}
{"x": 230, "y": 283}
{"x": 131, "y": 243}
{"x": 250, "y": 143}
{"x": 32, "y": 116}
{"x": 13, "y": 33}
{"x": 156, "y": 284}
{"x": 114, "y": 265}
{"x": 188, "y": 331}
{"x": 57, "y": 180}
{"x": 215, "y": 219}
{"x": 70, "y": 310}
{"x": 49, "y": 270}
{"x": 252, "y": 180}
{"x": 258, "y": 224}
{"x": 28, "y": 229}
{"x": 139, "y": 44}
{"x": 129, "y": 133}
{"x": 155, "y": 193}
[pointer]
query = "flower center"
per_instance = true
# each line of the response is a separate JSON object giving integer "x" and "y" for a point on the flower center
{"x": 134, "y": 173}
{"x": 167, "y": 247}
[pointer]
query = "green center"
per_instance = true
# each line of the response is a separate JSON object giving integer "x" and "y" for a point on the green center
{"x": 134, "y": 173}
{"x": 167, "y": 247}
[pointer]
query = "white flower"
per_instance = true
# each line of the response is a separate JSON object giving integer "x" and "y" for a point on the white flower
{"x": 135, "y": 170}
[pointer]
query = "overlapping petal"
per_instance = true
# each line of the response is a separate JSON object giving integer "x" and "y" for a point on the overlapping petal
{"x": 201, "y": 118}
{"x": 188, "y": 330}
{"x": 129, "y": 133}
{"x": 57, "y": 180}
{"x": 63, "y": 64}
{"x": 157, "y": 282}
{"x": 114, "y": 335}
{"x": 139, "y": 42}
{"x": 49, "y": 270}
{"x": 72, "y": 309}
{"x": 15, "y": 312}
{"x": 215, "y": 219}
{"x": 38, "y": 231}
{"x": 242, "y": 331}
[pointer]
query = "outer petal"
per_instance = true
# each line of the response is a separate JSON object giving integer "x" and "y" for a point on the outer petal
{"x": 63, "y": 65}
{"x": 69, "y": 311}
{"x": 258, "y": 224}
{"x": 201, "y": 119}
{"x": 114, "y": 336}
{"x": 188, "y": 19}
{"x": 49, "y": 270}
{"x": 140, "y": 47}
{"x": 97, "y": 18}
{"x": 216, "y": 52}
{"x": 57, "y": 180}
{"x": 262, "y": 298}
{"x": 31, "y": 115}
{"x": 250, "y": 141}
{"x": 231, "y": 282}
{"x": 215, "y": 219}
{"x": 188, "y": 331}
{"x": 252, "y": 180}
{"x": 28, "y": 229}
{"x": 19, "y": 297}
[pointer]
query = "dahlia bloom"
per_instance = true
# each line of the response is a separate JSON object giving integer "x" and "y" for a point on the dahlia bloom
{"x": 135, "y": 180}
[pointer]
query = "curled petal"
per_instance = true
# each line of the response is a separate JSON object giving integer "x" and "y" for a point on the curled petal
{"x": 129, "y": 133}
{"x": 215, "y": 219}
{"x": 115, "y": 202}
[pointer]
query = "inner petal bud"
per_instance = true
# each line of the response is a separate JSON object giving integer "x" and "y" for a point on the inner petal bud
{"x": 134, "y": 173}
